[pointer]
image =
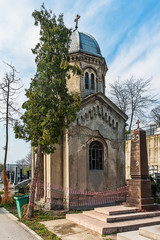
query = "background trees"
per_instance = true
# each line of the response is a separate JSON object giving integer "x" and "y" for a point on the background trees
{"x": 50, "y": 108}
{"x": 27, "y": 160}
{"x": 9, "y": 91}
{"x": 155, "y": 115}
{"x": 133, "y": 96}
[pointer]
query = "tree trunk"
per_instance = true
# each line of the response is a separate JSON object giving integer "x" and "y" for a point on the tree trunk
{"x": 33, "y": 183}
{"x": 5, "y": 179}
{"x": 40, "y": 181}
{"x": 131, "y": 122}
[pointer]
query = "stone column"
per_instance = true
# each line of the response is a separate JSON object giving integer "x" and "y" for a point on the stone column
{"x": 66, "y": 170}
{"x": 48, "y": 183}
{"x": 139, "y": 194}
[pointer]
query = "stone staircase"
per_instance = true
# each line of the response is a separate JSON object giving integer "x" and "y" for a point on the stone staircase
{"x": 108, "y": 220}
{"x": 145, "y": 233}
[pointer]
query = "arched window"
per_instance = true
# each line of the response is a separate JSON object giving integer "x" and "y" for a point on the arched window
{"x": 92, "y": 82}
{"x": 96, "y": 156}
{"x": 86, "y": 80}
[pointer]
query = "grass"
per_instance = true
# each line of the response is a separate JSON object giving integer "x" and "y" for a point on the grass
{"x": 40, "y": 229}
{"x": 105, "y": 236}
{"x": 8, "y": 204}
{"x": 35, "y": 225}
{"x": 40, "y": 215}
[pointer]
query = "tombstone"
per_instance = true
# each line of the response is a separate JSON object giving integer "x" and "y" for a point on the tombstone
{"x": 21, "y": 178}
{"x": 28, "y": 174}
{"x": 139, "y": 189}
{"x": 8, "y": 175}
{"x": 12, "y": 177}
{"x": 15, "y": 181}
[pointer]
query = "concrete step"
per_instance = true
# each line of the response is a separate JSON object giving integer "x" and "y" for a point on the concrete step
{"x": 133, "y": 235}
{"x": 152, "y": 232}
{"x": 124, "y": 217}
{"x": 132, "y": 216}
{"x": 108, "y": 228}
{"x": 97, "y": 215}
{"x": 116, "y": 210}
{"x": 88, "y": 222}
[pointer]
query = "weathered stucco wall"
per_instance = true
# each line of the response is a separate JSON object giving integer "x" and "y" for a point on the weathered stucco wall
{"x": 109, "y": 131}
{"x": 98, "y": 120}
{"x": 153, "y": 150}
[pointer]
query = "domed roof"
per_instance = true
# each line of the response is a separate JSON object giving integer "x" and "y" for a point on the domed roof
{"x": 83, "y": 42}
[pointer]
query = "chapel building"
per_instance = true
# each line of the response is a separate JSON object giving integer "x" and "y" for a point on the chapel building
{"x": 90, "y": 154}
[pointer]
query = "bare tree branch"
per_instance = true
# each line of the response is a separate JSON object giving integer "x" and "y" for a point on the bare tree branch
{"x": 133, "y": 96}
{"x": 8, "y": 88}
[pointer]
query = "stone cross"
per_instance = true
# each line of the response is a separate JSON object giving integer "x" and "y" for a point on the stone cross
{"x": 138, "y": 122}
{"x": 76, "y": 20}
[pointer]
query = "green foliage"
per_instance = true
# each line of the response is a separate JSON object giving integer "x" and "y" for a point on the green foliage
{"x": 50, "y": 108}
{"x": 24, "y": 190}
{"x": 10, "y": 203}
{"x": 39, "y": 228}
{"x": 25, "y": 171}
{"x": 155, "y": 187}
{"x": 1, "y": 193}
{"x": 127, "y": 132}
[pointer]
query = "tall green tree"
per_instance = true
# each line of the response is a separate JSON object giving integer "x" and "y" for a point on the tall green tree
{"x": 50, "y": 108}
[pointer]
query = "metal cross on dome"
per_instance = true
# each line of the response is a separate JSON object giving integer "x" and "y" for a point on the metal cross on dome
{"x": 76, "y": 20}
{"x": 138, "y": 122}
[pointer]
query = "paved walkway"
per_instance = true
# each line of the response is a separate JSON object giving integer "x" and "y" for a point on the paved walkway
{"x": 11, "y": 230}
{"x": 68, "y": 230}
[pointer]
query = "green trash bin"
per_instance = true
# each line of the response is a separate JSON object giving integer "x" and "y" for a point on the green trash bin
{"x": 20, "y": 201}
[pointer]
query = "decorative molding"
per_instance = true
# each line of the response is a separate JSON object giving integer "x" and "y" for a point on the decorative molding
{"x": 94, "y": 112}
{"x": 80, "y": 56}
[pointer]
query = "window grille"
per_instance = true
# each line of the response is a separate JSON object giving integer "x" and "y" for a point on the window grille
{"x": 96, "y": 156}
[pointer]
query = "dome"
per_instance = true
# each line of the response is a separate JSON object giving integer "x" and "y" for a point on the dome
{"x": 83, "y": 42}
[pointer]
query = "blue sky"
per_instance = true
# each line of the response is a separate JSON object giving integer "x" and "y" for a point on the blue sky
{"x": 128, "y": 33}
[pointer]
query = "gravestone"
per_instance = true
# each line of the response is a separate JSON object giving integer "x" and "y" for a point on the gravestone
{"x": 8, "y": 174}
{"x": 16, "y": 178}
{"x": 28, "y": 173}
{"x": 21, "y": 177}
{"x": 139, "y": 189}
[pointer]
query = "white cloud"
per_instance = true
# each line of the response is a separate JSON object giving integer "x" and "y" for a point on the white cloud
{"x": 139, "y": 57}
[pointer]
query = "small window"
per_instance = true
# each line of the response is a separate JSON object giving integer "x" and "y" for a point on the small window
{"x": 96, "y": 156}
{"x": 86, "y": 80}
{"x": 92, "y": 82}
